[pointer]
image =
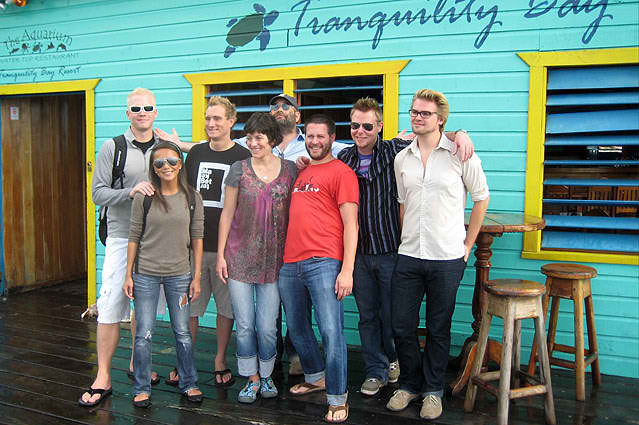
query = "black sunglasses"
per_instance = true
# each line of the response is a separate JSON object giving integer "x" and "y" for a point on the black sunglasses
{"x": 159, "y": 163}
{"x": 367, "y": 126}
{"x": 284, "y": 106}
{"x": 136, "y": 109}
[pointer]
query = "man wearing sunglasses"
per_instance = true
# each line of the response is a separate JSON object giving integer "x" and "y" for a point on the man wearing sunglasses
{"x": 113, "y": 305}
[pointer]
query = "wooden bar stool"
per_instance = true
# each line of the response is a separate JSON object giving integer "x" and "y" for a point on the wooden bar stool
{"x": 571, "y": 281}
{"x": 512, "y": 300}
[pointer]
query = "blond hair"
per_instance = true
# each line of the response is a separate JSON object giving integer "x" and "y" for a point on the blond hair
{"x": 366, "y": 104}
{"x": 229, "y": 107}
{"x": 443, "y": 109}
{"x": 140, "y": 91}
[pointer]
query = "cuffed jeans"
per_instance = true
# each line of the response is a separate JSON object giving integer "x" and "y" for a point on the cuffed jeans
{"x": 372, "y": 290}
{"x": 146, "y": 290}
{"x": 316, "y": 277}
{"x": 255, "y": 307}
{"x": 439, "y": 280}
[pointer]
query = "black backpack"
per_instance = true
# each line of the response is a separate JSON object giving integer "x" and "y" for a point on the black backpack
{"x": 146, "y": 206}
{"x": 117, "y": 173}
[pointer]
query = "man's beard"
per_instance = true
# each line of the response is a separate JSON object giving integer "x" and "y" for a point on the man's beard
{"x": 323, "y": 153}
{"x": 287, "y": 125}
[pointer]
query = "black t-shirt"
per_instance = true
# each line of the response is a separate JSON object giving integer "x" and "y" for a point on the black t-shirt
{"x": 206, "y": 170}
{"x": 144, "y": 146}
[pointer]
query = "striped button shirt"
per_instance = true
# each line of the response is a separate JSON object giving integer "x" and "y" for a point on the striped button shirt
{"x": 379, "y": 230}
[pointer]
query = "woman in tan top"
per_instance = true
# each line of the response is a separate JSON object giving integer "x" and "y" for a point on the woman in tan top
{"x": 162, "y": 228}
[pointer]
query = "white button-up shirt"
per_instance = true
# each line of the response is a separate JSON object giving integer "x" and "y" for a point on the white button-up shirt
{"x": 434, "y": 199}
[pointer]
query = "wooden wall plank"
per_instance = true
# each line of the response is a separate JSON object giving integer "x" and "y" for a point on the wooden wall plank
{"x": 41, "y": 229}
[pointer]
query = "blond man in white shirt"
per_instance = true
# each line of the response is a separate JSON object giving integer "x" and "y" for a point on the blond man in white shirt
{"x": 432, "y": 184}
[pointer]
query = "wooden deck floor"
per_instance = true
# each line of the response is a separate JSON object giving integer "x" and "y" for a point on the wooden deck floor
{"x": 47, "y": 357}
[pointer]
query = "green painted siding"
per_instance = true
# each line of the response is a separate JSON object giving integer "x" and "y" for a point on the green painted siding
{"x": 152, "y": 44}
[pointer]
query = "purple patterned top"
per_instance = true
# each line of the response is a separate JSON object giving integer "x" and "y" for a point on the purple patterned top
{"x": 255, "y": 246}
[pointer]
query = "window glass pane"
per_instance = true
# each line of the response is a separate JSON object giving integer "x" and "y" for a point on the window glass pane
{"x": 591, "y": 159}
{"x": 335, "y": 96}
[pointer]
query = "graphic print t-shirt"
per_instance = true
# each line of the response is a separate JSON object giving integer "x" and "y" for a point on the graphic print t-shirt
{"x": 315, "y": 227}
{"x": 206, "y": 170}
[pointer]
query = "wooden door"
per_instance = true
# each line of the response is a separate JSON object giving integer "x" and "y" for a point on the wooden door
{"x": 44, "y": 195}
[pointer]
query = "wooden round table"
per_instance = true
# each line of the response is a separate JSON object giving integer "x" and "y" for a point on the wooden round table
{"x": 494, "y": 225}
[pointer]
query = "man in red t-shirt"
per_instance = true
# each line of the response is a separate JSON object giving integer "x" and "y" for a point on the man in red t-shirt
{"x": 318, "y": 265}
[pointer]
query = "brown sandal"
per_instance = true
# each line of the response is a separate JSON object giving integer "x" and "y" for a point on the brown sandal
{"x": 307, "y": 389}
{"x": 334, "y": 409}
{"x": 173, "y": 382}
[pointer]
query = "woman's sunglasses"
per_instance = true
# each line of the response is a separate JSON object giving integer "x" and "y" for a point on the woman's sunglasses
{"x": 159, "y": 163}
{"x": 136, "y": 109}
{"x": 367, "y": 126}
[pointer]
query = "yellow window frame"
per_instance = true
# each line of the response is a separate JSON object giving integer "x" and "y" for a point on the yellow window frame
{"x": 539, "y": 62}
{"x": 88, "y": 87}
{"x": 289, "y": 75}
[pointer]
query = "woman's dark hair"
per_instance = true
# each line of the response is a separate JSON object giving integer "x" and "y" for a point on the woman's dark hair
{"x": 155, "y": 179}
{"x": 265, "y": 123}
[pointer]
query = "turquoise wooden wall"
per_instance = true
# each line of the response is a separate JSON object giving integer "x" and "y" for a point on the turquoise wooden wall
{"x": 466, "y": 49}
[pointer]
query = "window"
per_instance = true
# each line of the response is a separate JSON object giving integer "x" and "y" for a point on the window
{"x": 330, "y": 96}
{"x": 583, "y": 155}
{"x": 327, "y": 89}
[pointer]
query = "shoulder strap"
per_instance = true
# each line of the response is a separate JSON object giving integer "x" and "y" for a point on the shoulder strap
{"x": 119, "y": 159}
{"x": 191, "y": 212}
{"x": 146, "y": 206}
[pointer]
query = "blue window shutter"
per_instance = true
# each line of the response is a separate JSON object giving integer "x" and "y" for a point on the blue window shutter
{"x": 591, "y": 167}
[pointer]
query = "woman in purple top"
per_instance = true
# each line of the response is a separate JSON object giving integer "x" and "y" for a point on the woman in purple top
{"x": 252, "y": 233}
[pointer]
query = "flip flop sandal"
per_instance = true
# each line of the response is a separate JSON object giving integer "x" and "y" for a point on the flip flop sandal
{"x": 194, "y": 398}
{"x": 308, "y": 388}
{"x": 335, "y": 409}
{"x": 103, "y": 394}
{"x": 221, "y": 374}
{"x": 155, "y": 381}
{"x": 172, "y": 382}
{"x": 145, "y": 403}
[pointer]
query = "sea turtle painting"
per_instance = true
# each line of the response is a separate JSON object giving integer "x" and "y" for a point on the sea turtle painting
{"x": 249, "y": 28}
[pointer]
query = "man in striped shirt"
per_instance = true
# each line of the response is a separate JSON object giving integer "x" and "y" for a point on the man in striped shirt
{"x": 379, "y": 236}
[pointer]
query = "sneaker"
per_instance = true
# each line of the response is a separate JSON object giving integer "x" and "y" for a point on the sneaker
{"x": 400, "y": 400}
{"x": 249, "y": 392}
{"x": 393, "y": 372}
{"x": 267, "y": 388}
{"x": 295, "y": 368}
{"x": 371, "y": 386}
{"x": 431, "y": 407}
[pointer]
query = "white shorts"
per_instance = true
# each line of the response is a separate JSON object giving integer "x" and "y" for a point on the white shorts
{"x": 113, "y": 304}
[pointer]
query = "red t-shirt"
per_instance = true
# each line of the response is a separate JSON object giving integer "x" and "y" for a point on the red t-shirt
{"x": 315, "y": 227}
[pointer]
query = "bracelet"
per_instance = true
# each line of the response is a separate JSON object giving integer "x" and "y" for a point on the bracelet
{"x": 461, "y": 130}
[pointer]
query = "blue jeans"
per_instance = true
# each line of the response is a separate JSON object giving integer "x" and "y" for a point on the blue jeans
{"x": 146, "y": 290}
{"x": 439, "y": 281}
{"x": 372, "y": 290}
{"x": 316, "y": 277}
{"x": 255, "y": 307}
